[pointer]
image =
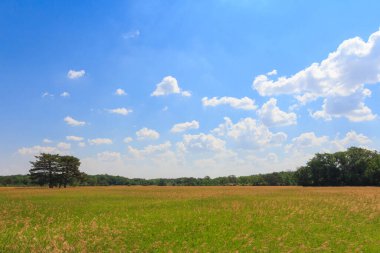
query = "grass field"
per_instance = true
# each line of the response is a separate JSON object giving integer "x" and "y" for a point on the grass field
{"x": 190, "y": 219}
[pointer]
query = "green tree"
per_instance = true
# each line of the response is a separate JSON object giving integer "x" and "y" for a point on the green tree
{"x": 69, "y": 170}
{"x": 372, "y": 173}
{"x": 55, "y": 170}
{"x": 44, "y": 170}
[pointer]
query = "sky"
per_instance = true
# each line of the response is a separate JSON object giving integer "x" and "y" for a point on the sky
{"x": 187, "y": 88}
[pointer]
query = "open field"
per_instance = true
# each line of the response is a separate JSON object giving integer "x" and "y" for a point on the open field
{"x": 189, "y": 219}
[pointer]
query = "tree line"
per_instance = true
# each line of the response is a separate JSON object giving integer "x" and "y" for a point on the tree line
{"x": 275, "y": 178}
{"x": 353, "y": 167}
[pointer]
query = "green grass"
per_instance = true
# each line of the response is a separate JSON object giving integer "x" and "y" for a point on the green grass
{"x": 190, "y": 219}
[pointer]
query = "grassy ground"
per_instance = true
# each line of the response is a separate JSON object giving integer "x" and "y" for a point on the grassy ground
{"x": 189, "y": 219}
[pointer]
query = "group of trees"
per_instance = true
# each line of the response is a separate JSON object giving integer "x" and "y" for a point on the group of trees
{"x": 353, "y": 167}
{"x": 55, "y": 170}
{"x": 276, "y": 178}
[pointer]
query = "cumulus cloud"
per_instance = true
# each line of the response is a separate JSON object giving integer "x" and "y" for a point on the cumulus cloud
{"x": 339, "y": 80}
{"x": 64, "y": 145}
{"x": 65, "y": 94}
{"x": 81, "y": 144}
{"x": 37, "y": 150}
{"x": 121, "y": 111}
{"x": 186, "y": 93}
{"x": 310, "y": 141}
{"x": 272, "y": 73}
{"x": 47, "y": 140}
{"x": 351, "y": 139}
{"x": 271, "y": 115}
{"x": 73, "y": 122}
{"x": 75, "y": 74}
{"x": 147, "y": 134}
{"x": 100, "y": 141}
{"x": 108, "y": 156}
{"x": 169, "y": 85}
{"x": 61, "y": 148}
{"x": 150, "y": 149}
{"x": 244, "y": 103}
{"x": 202, "y": 142}
{"x": 249, "y": 133}
{"x": 74, "y": 138}
{"x": 120, "y": 92}
{"x": 181, "y": 127}
{"x": 128, "y": 139}
{"x": 307, "y": 140}
{"x": 352, "y": 107}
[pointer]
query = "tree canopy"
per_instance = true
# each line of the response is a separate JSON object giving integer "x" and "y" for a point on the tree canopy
{"x": 353, "y": 167}
{"x": 55, "y": 170}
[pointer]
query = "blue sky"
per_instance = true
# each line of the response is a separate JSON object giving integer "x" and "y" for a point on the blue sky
{"x": 187, "y": 88}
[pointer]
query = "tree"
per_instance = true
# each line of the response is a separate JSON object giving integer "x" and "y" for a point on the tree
{"x": 68, "y": 170}
{"x": 44, "y": 170}
{"x": 373, "y": 171}
{"x": 55, "y": 170}
{"x": 355, "y": 166}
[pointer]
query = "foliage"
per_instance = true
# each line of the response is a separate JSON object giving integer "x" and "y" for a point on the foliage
{"x": 353, "y": 167}
{"x": 55, "y": 170}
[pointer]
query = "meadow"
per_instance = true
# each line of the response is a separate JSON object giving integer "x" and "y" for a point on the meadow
{"x": 190, "y": 219}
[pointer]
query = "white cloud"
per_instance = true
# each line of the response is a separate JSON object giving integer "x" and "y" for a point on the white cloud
{"x": 146, "y": 133}
{"x": 108, "y": 156}
{"x": 131, "y": 35}
{"x": 81, "y": 144}
{"x": 272, "y": 73}
{"x": 244, "y": 103}
{"x": 167, "y": 86}
{"x": 73, "y": 122}
{"x": 202, "y": 142}
{"x": 181, "y": 127}
{"x": 351, "y": 139}
{"x": 309, "y": 142}
{"x": 272, "y": 157}
{"x": 47, "y": 94}
{"x": 61, "y": 148}
{"x": 47, "y": 140}
{"x": 271, "y": 115}
{"x": 74, "y": 138}
{"x": 121, "y": 111}
{"x": 73, "y": 74}
{"x": 120, "y": 92}
{"x": 100, "y": 141}
{"x": 249, "y": 134}
{"x": 352, "y": 107}
{"x": 186, "y": 93}
{"x": 64, "y": 145}
{"x": 128, "y": 139}
{"x": 150, "y": 149}
{"x": 65, "y": 94}
{"x": 339, "y": 79}
{"x": 38, "y": 149}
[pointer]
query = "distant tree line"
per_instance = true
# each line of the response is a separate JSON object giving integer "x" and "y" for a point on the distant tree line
{"x": 353, "y": 167}
{"x": 275, "y": 178}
